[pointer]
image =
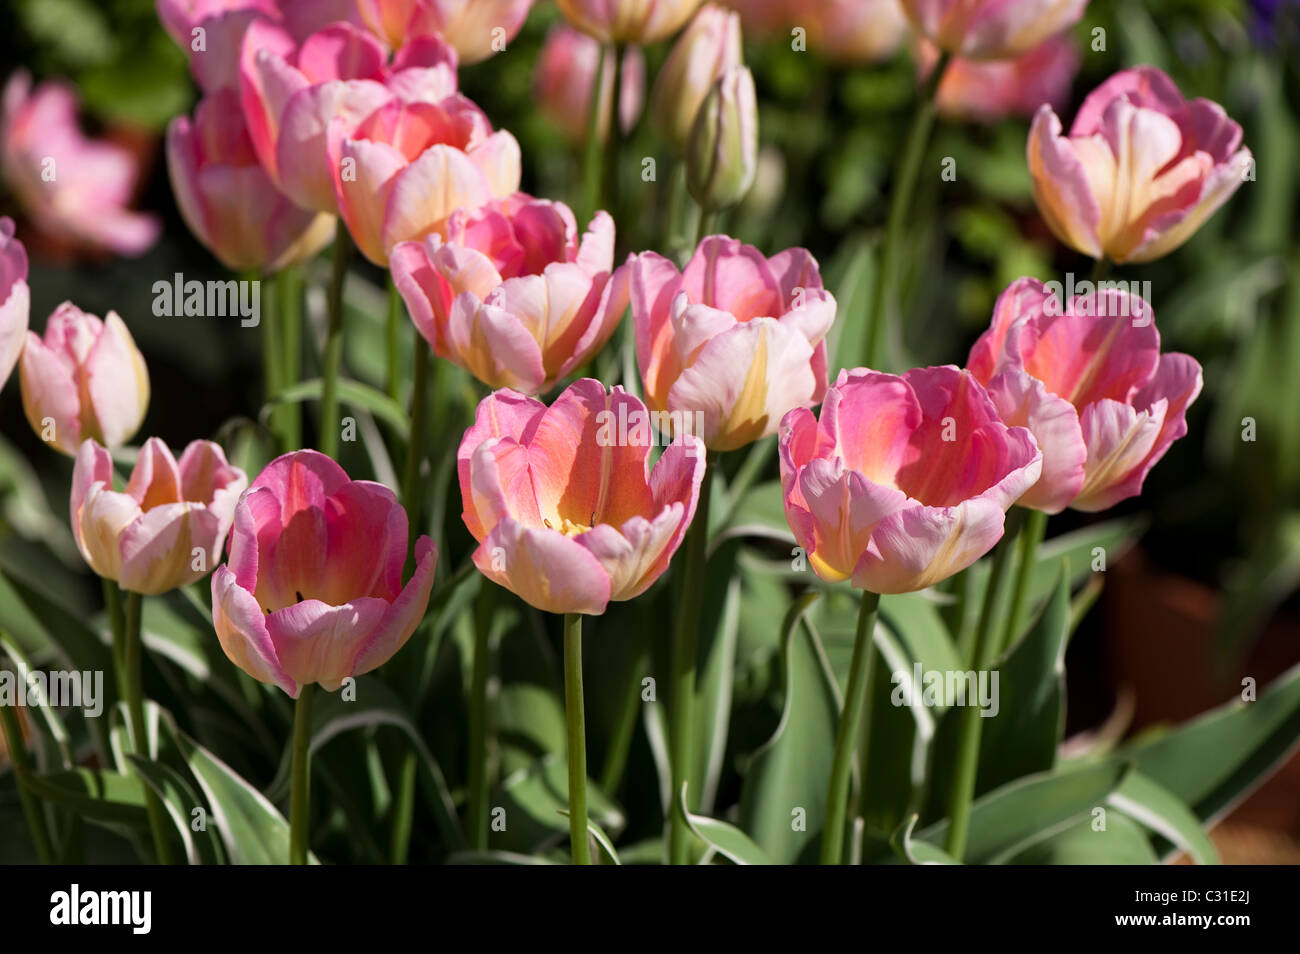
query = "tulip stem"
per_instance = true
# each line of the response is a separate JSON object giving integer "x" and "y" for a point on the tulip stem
{"x": 300, "y": 790}
{"x": 412, "y": 485}
{"x": 855, "y": 719}
{"x": 289, "y": 282}
{"x": 333, "y": 358}
{"x": 573, "y": 709}
{"x": 272, "y": 357}
{"x": 1100, "y": 269}
{"x": 1031, "y": 535}
{"x": 971, "y": 724}
{"x": 685, "y": 649}
{"x": 394, "y": 340}
{"x": 132, "y": 682}
{"x": 22, "y": 762}
{"x": 900, "y": 206}
{"x": 478, "y": 716}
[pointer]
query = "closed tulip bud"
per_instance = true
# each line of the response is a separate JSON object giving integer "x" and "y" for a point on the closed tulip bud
{"x": 706, "y": 50}
{"x": 722, "y": 155}
{"x": 84, "y": 379}
{"x": 167, "y": 529}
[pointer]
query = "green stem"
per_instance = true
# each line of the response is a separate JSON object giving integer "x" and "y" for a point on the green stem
{"x": 704, "y": 227}
{"x": 1100, "y": 269}
{"x": 854, "y": 719}
{"x": 412, "y": 485}
{"x": 290, "y": 294}
{"x": 18, "y": 754}
{"x": 685, "y": 648}
{"x": 1031, "y": 535}
{"x": 332, "y": 362}
{"x": 591, "y": 174}
{"x": 478, "y": 713}
{"x": 971, "y": 724}
{"x": 620, "y": 742}
{"x": 395, "y": 309}
{"x": 272, "y": 354}
{"x": 300, "y": 790}
{"x": 132, "y": 682}
{"x": 900, "y": 207}
{"x": 117, "y": 622}
{"x": 577, "y": 738}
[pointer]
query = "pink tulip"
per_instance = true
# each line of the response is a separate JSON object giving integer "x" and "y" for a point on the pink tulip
{"x": 167, "y": 529}
{"x": 292, "y": 93}
{"x": 905, "y": 480}
{"x": 852, "y": 31}
{"x": 1088, "y": 379}
{"x": 705, "y": 51}
{"x": 403, "y": 170}
{"x": 562, "y": 500}
{"x": 1141, "y": 169}
{"x": 512, "y": 295}
{"x": 85, "y": 379}
{"x": 736, "y": 337}
{"x": 564, "y": 78}
{"x": 211, "y": 31}
{"x": 15, "y": 298}
{"x": 991, "y": 29}
{"x": 226, "y": 197}
{"x": 989, "y": 90}
{"x": 628, "y": 21}
{"x": 476, "y": 28}
{"x": 74, "y": 189}
{"x": 313, "y": 590}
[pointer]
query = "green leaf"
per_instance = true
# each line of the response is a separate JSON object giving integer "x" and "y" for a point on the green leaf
{"x": 353, "y": 393}
{"x": 605, "y": 847}
{"x": 252, "y": 830}
{"x": 105, "y": 798}
{"x": 727, "y": 840}
{"x": 759, "y": 513}
{"x": 790, "y": 771}
{"x": 179, "y": 799}
{"x": 1004, "y": 821}
{"x": 1158, "y": 809}
{"x": 534, "y": 800}
{"x": 496, "y": 858}
{"x": 1075, "y": 550}
{"x": 719, "y": 636}
{"x": 1214, "y": 761}
{"x": 50, "y": 723}
{"x": 1121, "y": 842}
{"x": 36, "y": 620}
{"x": 917, "y": 852}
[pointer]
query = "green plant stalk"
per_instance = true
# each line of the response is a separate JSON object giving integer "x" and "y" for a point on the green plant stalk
{"x": 117, "y": 622}
{"x": 21, "y": 758}
{"x": 300, "y": 785}
{"x": 394, "y": 340}
{"x": 332, "y": 362}
{"x": 1100, "y": 269}
{"x": 290, "y": 294}
{"x": 620, "y": 742}
{"x": 577, "y": 739}
{"x": 900, "y": 206}
{"x": 478, "y": 717}
{"x": 272, "y": 355}
{"x": 854, "y": 719}
{"x": 685, "y": 649}
{"x": 971, "y": 724}
{"x": 132, "y": 682}
{"x": 1030, "y": 537}
{"x": 591, "y": 175}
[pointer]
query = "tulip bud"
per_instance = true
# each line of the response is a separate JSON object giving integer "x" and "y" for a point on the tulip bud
{"x": 722, "y": 155}
{"x": 85, "y": 379}
{"x": 707, "y": 49}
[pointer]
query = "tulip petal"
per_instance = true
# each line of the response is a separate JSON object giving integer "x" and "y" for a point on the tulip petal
{"x": 544, "y": 568}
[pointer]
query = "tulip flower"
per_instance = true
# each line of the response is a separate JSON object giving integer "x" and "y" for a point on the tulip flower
{"x": 706, "y": 50}
{"x": 73, "y": 188}
{"x": 167, "y": 529}
{"x": 628, "y": 21}
{"x": 471, "y": 26}
{"x": 1088, "y": 379}
{"x": 565, "y": 76}
{"x": 1141, "y": 169}
{"x": 736, "y": 337}
{"x": 566, "y": 509}
{"x": 84, "y": 379}
{"x": 722, "y": 153}
{"x": 292, "y": 92}
{"x": 226, "y": 197}
{"x": 989, "y": 90}
{"x": 407, "y": 166}
{"x": 905, "y": 480}
{"x": 312, "y": 591}
{"x": 991, "y": 29}
{"x": 15, "y": 298}
{"x": 512, "y": 295}
{"x": 852, "y": 31}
